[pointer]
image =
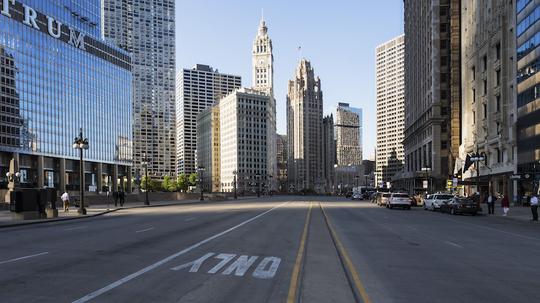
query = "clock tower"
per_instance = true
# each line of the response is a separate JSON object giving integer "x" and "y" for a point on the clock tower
{"x": 263, "y": 81}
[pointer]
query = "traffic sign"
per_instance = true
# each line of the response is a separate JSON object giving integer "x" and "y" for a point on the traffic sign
{"x": 515, "y": 177}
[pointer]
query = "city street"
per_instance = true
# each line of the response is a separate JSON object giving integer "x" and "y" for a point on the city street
{"x": 278, "y": 249}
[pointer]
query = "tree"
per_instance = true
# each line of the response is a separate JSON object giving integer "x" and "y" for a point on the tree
{"x": 193, "y": 179}
{"x": 145, "y": 184}
{"x": 182, "y": 182}
{"x": 167, "y": 184}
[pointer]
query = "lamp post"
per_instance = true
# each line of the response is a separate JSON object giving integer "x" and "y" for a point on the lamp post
{"x": 234, "y": 183}
{"x": 200, "y": 169}
{"x": 81, "y": 144}
{"x": 427, "y": 171}
{"x": 258, "y": 183}
{"x": 356, "y": 178}
{"x": 477, "y": 158}
{"x": 13, "y": 177}
{"x": 144, "y": 163}
{"x": 366, "y": 180}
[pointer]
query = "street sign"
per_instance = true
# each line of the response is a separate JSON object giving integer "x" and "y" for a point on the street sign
{"x": 515, "y": 177}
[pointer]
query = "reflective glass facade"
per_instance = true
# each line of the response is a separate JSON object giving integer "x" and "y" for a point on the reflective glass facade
{"x": 50, "y": 87}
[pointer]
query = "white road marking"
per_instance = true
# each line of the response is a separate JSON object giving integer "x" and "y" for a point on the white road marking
{"x": 240, "y": 266}
{"x": 195, "y": 265}
{"x": 25, "y": 257}
{"x": 225, "y": 258}
{"x": 262, "y": 273}
{"x": 143, "y": 230}
{"x": 190, "y": 219}
{"x": 453, "y": 244}
{"x": 536, "y": 240}
{"x": 75, "y": 228}
{"x": 134, "y": 275}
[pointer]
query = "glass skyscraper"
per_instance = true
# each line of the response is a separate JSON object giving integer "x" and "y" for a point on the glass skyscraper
{"x": 528, "y": 92}
{"x": 56, "y": 76}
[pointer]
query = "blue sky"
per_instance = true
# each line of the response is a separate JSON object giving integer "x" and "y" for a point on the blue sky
{"x": 338, "y": 37}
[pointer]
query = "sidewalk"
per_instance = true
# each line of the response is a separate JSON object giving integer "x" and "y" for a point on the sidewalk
{"x": 517, "y": 213}
{"x": 6, "y": 219}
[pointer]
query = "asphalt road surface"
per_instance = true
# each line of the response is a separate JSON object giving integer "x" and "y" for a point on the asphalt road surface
{"x": 279, "y": 249}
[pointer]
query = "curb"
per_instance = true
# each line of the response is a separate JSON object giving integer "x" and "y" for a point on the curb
{"x": 44, "y": 221}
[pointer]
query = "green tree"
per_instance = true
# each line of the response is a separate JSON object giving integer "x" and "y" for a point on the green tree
{"x": 182, "y": 182}
{"x": 193, "y": 179}
{"x": 168, "y": 185}
{"x": 145, "y": 184}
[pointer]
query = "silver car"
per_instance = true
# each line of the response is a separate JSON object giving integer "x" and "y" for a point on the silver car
{"x": 434, "y": 201}
{"x": 399, "y": 200}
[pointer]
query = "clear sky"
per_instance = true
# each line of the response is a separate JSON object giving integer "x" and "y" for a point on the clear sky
{"x": 338, "y": 37}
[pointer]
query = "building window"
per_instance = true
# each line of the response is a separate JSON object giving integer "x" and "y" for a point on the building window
{"x": 473, "y": 95}
{"x": 498, "y": 51}
{"x": 484, "y": 62}
{"x": 474, "y": 117}
{"x": 473, "y": 72}
{"x": 485, "y": 110}
{"x": 485, "y": 87}
{"x": 498, "y": 77}
{"x": 498, "y": 102}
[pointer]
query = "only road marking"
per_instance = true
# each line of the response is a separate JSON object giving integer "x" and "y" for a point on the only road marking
{"x": 143, "y": 230}
{"x": 25, "y": 257}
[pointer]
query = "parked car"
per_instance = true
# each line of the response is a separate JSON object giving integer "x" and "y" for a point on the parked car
{"x": 399, "y": 200}
{"x": 460, "y": 205}
{"x": 434, "y": 201}
{"x": 356, "y": 196}
{"x": 382, "y": 199}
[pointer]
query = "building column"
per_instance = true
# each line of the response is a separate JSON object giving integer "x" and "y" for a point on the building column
{"x": 115, "y": 178}
{"x": 40, "y": 176}
{"x": 99, "y": 177}
{"x": 128, "y": 181}
{"x": 62, "y": 176}
{"x": 13, "y": 168}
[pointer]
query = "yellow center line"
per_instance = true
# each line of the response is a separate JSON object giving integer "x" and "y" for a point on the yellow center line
{"x": 347, "y": 260}
{"x": 295, "y": 278}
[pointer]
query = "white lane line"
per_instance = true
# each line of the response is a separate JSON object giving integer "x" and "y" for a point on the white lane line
{"x": 25, "y": 257}
{"x": 75, "y": 228}
{"x": 453, "y": 244}
{"x": 134, "y": 275}
{"x": 190, "y": 219}
{"x": 536, "y": 240}
{"x": 143, "y": 230}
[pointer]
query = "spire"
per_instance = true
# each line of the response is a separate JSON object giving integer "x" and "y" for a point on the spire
{"x": 262, "y": 25}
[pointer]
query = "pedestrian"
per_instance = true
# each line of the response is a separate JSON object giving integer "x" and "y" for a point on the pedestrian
{"x": 122, "y": 197}
{"x": 491, "y": 204}
{"x": 115, "y": 198}
{"x": 505, "y": 203}
{"x": 534, "y": 207}
{"x": 65, "y": 200}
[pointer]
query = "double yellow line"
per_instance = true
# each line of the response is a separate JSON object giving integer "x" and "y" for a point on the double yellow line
{"x": 346, "y": 260}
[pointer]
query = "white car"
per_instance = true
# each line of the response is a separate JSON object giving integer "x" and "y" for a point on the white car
{"x": 399, "y": 200}
{"x": 434, "y": 201}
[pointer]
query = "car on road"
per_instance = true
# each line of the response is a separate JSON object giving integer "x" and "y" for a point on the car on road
{"x": 356, "y": 196}
{"x": 459, "y": 205}
{"x": 382, "y": 198}
{"x": 399, "y": 200}
{"x": 434, "y": 201}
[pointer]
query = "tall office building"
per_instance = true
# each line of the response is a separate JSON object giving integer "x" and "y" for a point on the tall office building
{"x": 348, "y": 135}
{"x": 208, "y": 147}
{"x": 329, "y": 152}
{"x": 390, "y": 95}
{"x": 528, "y": 96}
{"x": 146, "y": 30}
{"x": 243, "y": 141}
{"x": 488, "y": 106}
{"x": 57, "y": 76}
{"x": 432, "y": 91}
{"x": 197, "y": 89}
{"x": 263, "y": 80}
{"x": 281, "y": 143}
{"x": 304, "y": 129}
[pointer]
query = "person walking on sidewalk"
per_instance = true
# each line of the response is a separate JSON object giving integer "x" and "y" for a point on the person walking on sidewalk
{"x": 122, "y": 197}
{"x": 115, "y": 198}
{"x": 65, "y": 201}
{"x": 491, "y": 204}
{"x": 534, "y": 207}
{"x": 505, "y": 203}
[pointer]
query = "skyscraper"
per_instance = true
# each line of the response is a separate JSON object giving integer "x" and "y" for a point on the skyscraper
{"x": 304, "y": 129}
{"x": 146, "y": 30}
{"x": 390, "y": 78}
{"x": 263, "y": 80}
{"x": 329, "y": 152}
{"x": 348, "y": 135}
{"x": 528, "y": 85}
{"x": 432, "y": 91}
{"x": 281, "y": 143}
{"x": 208, "y": 147}
{"x": 197, "y": 89}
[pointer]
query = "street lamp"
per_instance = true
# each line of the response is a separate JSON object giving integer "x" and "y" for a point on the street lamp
{"x": 258, "y": 183}
{"x": 477, "y": 158}
{"x": 427, "y": 171}
{"x": 81, "y": 144}
{"x": 356, "y": 178}
{"x": 200, "y": 169}
{"x": 13, "y": 177}
{"x": 234, "y": 183}
{"x": 145, "y": 161}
